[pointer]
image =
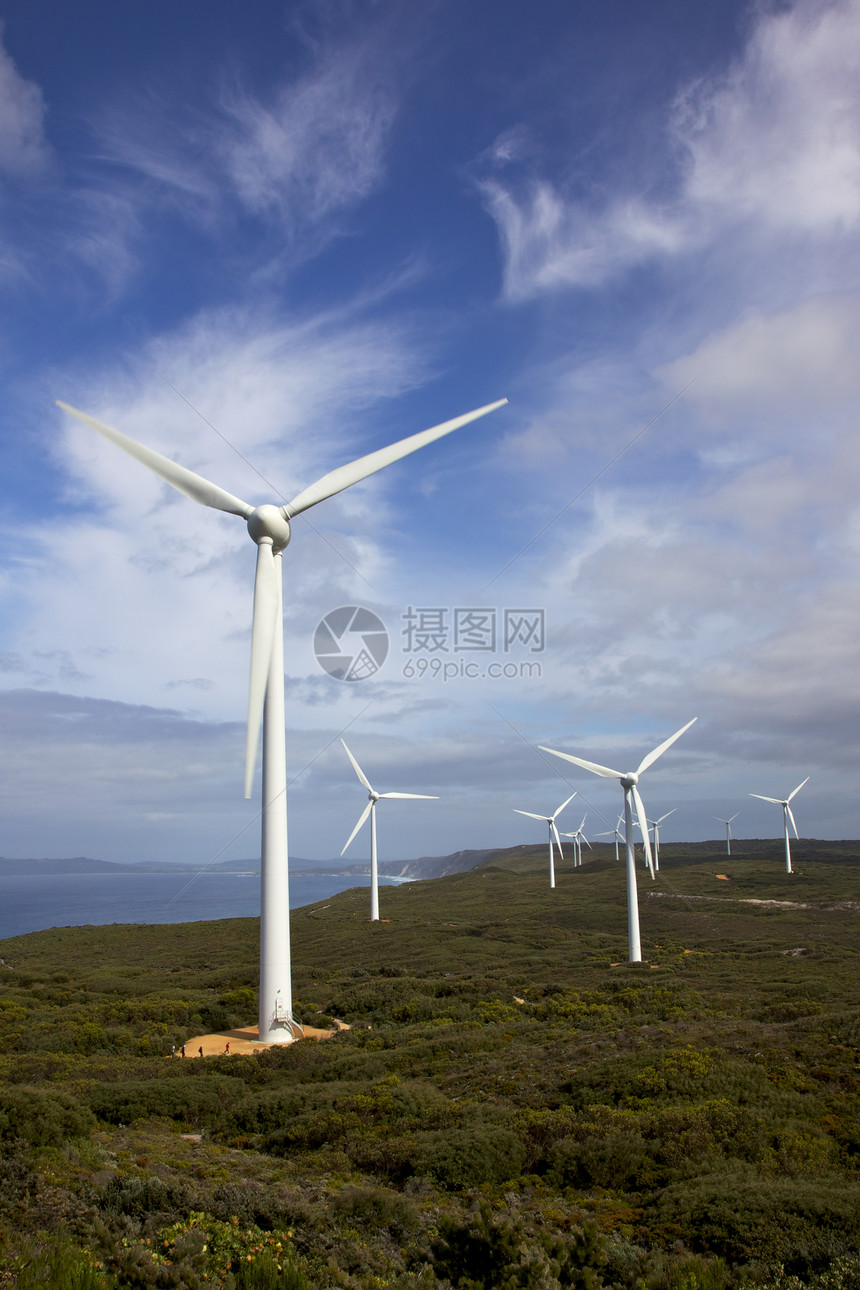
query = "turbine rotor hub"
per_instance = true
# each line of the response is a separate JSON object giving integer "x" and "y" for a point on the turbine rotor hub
{"x": 268, "y": 522}
{"x": 630, "y": 779}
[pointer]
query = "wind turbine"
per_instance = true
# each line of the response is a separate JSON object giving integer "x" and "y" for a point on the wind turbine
{"x": 786, "y": 816}
{"x": 655, "y": 825}
{"x": 610, "y": 832}
{"x": 553, "y": 833}
{"x": 370, "y": 810}
{"x": 269, "y": 527}
{"x": 629, "y": 780}
{"x": 578, "y": 839}
{"x": 728, "y": 824}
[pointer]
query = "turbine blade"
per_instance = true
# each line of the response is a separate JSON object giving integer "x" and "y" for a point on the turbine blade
{"x": 643, "y": 825}
{"x": 666, "y": 816}
{"x": 658, "y": 752}
{"x": 262, "y": 637}
{"x": 427, "y": 797}
{"x": 587, "y": 843}
{"x": 791, "y": 817}
{"x": 557, "y": 838}
{"x": 586, "y": 765}
{"x": 546, "y": 819}
{"x": 563, "y": 805}
{"x": 797, "y": 790}
{"x": 194, "y": 486}
{"x": 777, "y": 801}
{"x": 582, "y": 822}
{"x": 337, "y": 480}
{"x": 362, "y": 778}
{"x": 361, "y": 819}
{"x": 734, "y": 817}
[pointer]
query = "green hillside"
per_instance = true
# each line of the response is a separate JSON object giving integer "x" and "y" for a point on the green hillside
{"x": 514, "y": 1106}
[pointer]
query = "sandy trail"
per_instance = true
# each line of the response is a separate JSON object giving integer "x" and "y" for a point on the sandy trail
{"x": 244, "y": 1040}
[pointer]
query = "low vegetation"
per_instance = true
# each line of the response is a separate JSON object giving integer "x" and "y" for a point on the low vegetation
{"x": 513, "y": 1106}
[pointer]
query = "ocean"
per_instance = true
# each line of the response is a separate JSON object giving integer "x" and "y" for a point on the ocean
{"x": 33, "y": 903}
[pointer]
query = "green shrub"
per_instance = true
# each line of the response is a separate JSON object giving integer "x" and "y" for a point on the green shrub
{"x": 42, "y": 1119}
{"x": 191, "y": 1101}
{"x": 376, "y": 1208}
{"x": 141, "y": 1197}
{"x": 802, "y": 1224}
{"x": 60, "y": 1267}
{"x": 470, "y": 1155}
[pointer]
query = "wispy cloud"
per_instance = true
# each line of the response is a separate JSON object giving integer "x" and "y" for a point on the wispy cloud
{"x": 315, "y": 148}
{"x": 774, "y": 142}
{"x": 294, "y": 158}
{"x": 23, "y": 148}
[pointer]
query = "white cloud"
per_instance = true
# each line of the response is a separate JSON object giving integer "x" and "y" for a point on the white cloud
{"x": 550, "y": 242}
{"x": 796, "y": 363}
{"x": 773, "y": 143}
{"x": 777, "y": 139}
{"x": 315, "y": 148}
{"x": 23, "y": 150}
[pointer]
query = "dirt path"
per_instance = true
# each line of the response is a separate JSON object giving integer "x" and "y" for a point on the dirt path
{"x": 245, "y": 1040}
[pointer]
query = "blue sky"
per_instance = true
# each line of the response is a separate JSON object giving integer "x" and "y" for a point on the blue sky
{"x": 268, "y": 239}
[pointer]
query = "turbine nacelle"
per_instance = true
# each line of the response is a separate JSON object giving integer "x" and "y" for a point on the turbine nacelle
{"x": 269, "y": 522}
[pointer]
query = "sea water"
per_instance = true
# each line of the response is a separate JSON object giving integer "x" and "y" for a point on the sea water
{"x": 32, "y": 903}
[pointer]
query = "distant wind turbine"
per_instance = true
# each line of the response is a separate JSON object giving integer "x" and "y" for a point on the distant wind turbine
{"x": 553, "y": 833}
{"x": 655, "y": 825}
{"x": 628, "y": 781}
{"x": 728, "y": 824}
{"x": 269, "y": 527}
{"x": 786, "y": 816}
{"x": 578, "y": 839}
{"x": 613, "y": 832}
{"x": 370, "y": 810}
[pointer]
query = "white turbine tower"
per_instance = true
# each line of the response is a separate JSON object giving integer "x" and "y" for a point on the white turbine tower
{"x": 655, "y": 825}
{"x": 553, "y": 833}
{"x": 628, "y": 781}
{"x": 269, "y": 527}
{"x": 370, "y": 810}
{"x": 613, "y": 833}
{"x": 728, "y": 824}
{"x": 786, "y": 816}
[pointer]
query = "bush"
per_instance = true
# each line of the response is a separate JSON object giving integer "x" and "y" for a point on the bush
{"x": 42, "y": 1119}
{"x": 467, "y": 1157}
{"x": 62, "y": 1267}
{"x": 802, "y": 1224}
{"x": 376, "y": 1208}
{"x": 190, "y": 1101}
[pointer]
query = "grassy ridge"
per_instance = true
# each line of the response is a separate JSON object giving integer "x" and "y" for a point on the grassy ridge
{"x": 514, "y": 1106}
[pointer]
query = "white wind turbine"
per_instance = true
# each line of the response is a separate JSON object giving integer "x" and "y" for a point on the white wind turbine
{"x": 655, "y": 825}
{"x": 786, "y": 816}
{"x": 728, "y": 824}
{"x": 578, "y": 839}
{"x": 553, "y": 833}
{"x": 370, "y": 810}
{"x": 629, "y": 780}
{"x": 269, "y": 527}
{"x": 613, "y": 832}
